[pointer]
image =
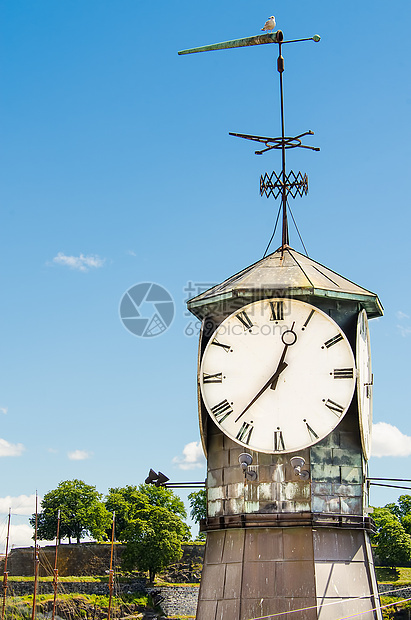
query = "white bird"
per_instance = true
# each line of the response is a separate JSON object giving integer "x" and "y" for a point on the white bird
{"x": 269, "y": 24}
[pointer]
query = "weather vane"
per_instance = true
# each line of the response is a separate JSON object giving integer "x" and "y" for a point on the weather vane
{"x": 274, "y": 184}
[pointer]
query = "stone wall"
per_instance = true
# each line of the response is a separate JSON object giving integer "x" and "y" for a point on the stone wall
{"x": 390, "y": 590}
{"x": 179, "y": 600}
{"x": 22, "y": 588}
{"x": 91, "y": 559}
{"x": 79, "y": 560}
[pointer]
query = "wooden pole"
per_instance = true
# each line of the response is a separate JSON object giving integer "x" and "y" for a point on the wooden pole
{"x": 55, "y": 578}
{"x": 110, "y": 579}
{"x": 36, "y": 565}
{"x": 5, "y": 574}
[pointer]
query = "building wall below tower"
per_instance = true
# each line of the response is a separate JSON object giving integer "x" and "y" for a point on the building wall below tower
{"x": 254, "y": 572}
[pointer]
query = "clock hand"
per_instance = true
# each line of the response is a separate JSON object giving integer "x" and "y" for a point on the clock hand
{"x": 279, "y": 370}
{"x": 272, "y": 381}
{"x": 287, "y": 343}
{"x": 263, "y": 389}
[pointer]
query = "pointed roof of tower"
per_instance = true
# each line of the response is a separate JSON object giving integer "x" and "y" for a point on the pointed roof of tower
{"x": 284, "y": 273}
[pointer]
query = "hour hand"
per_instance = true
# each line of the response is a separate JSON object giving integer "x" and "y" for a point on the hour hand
{"x": 279, "y": 370}
{"x": 272, "y": 381}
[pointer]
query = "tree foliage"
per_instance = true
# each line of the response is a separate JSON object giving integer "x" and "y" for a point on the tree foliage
{"x": 127, "y": 501}
{"x": 148, "y": 521}
{"x": 394, "y": 544}
{"x": 82, "y": 513}
{"x": 393, "y": 523}
{"x": 198, "y": 505}
{"x": 153, "y": 540}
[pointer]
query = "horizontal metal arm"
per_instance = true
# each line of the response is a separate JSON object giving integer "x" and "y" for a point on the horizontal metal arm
{"x": 184, "y": 485}
{"x": 274, "y": 37}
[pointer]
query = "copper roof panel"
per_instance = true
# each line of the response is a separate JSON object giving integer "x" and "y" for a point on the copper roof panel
{"x": 285, "y": 272}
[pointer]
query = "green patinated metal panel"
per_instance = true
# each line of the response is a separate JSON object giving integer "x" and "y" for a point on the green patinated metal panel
{"x": 260, "y": 39}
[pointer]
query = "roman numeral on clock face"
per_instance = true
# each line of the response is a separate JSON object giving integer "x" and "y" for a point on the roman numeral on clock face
{"x": 332, "y": 341}
{"x": 226, "y": 347}
{"x": 334, "y": 407}
{"x": 244, "y": 434}
{"x": 311, "y": 431}
{"x": 217, "y": 378}
{"x": 244, "y": 319}
{"x": 278, "y": 440}
{"x": 308, "y": 319}
{"x": 343, "y": 373}
{"x": 222, "y": 411}
{"x": 277, "y": 310}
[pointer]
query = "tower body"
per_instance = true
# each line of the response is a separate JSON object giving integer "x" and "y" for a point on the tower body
{"x": 278, "y": 542}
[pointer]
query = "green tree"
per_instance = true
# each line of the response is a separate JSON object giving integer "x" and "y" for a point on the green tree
{"x": 401, "y": 510}
{"x": 164, "y": 498}
{"x": 82, "y": 513}
{"x": 381, "y": 516}
{"x": 394, "y": 544}
{"x": 198, "y": 505}
{"x": 127, "y": 501}
{"x": 153, "y": 540}
{"x": 393, "y": 524}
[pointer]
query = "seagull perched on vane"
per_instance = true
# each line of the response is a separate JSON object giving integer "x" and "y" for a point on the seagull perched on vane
{"x": 269, "y": 24}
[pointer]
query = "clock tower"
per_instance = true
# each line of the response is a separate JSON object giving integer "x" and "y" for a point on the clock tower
{"x": 285, "y": 406}
{"x": 284, "y": 372}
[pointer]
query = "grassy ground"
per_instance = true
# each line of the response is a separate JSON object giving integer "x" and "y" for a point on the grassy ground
{"x": 396, "y": 576}
{"x": 101, "y": 579}
{"x": 81, "y": 579}
{"x": 76, "y": 606}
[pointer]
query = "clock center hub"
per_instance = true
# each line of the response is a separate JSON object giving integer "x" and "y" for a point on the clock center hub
{"x": 289, "y": 337}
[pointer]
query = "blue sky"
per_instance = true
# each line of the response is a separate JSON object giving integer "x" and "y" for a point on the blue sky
{"x": 117, "y": 168}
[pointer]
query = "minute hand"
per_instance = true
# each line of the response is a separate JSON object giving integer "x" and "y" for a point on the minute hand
{"x": 272, "y": 381}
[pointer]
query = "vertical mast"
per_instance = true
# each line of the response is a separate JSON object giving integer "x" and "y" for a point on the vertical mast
{"x": 280, "y": 69}
{"x": 36, "y": 565}
{"x": 5, "y": 574}
{"x": 55, "y": 577}
{"x": 282, "y": 184}
{"x": 110, "y": 579}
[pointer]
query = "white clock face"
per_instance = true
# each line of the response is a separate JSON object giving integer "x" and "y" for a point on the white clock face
{"x": 364, "y": 382}
{"x": 277, "y": 375}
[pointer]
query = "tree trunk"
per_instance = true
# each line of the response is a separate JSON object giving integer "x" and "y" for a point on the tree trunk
{"x": 151, "y": 575}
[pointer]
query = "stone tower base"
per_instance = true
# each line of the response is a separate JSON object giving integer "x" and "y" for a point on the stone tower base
{"x": 253, "y": 572}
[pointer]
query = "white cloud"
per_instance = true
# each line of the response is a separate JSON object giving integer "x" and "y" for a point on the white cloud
{"x": 81, "y": 263}
{"x": 131, "y": 253}
{"x": 20, "y": 505}
{"x": 192, "y": 457}
{"x": 401, "y": 315}
{"x": 4, "y": 410}
{"x": 20, "y": 536}
{"x": 388, "y": 440}
{"x": 10, "y": 449}
{"x": 79, "y": 455}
